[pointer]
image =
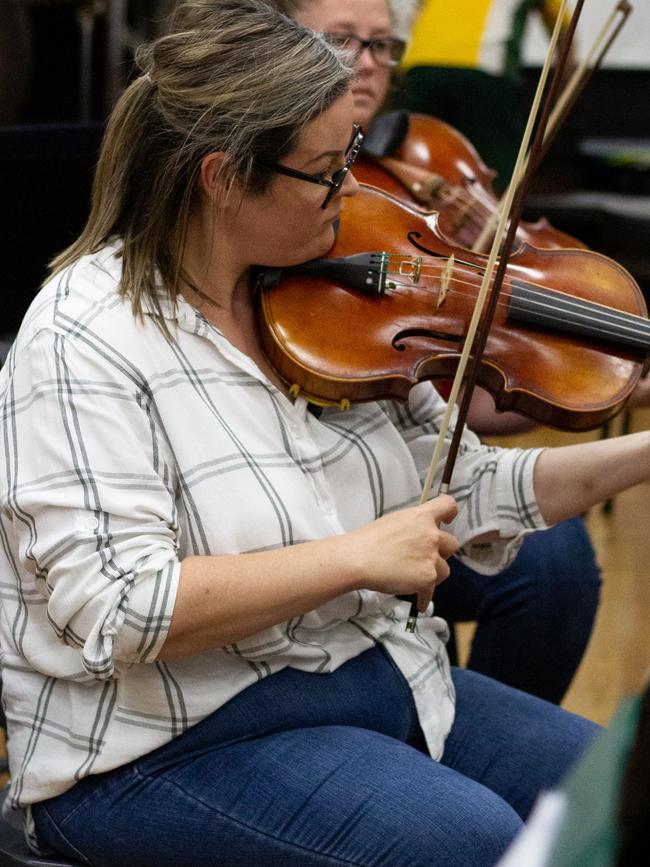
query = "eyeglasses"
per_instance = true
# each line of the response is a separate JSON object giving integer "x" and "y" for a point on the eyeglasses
{"x": 385, "y": 50}
{"x": 338, "y": 178}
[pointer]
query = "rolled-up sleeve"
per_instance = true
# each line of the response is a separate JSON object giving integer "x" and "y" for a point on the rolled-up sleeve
{"x": 90, "y": 501}
{"x": 492, "y": 486}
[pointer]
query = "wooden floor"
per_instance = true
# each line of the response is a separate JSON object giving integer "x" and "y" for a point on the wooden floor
{"x": 618, "y": 657}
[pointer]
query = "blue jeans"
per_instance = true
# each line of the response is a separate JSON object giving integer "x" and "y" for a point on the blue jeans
{"x": 534, "y": 619}
{"x": 322, "y": 769}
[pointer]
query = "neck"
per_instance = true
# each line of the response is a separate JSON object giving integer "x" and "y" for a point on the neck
{"x": 219, "y": 286}
{"x": 209, "y": 271}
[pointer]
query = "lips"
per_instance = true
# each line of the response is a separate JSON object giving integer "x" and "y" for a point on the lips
{"x": 366, "y": 94}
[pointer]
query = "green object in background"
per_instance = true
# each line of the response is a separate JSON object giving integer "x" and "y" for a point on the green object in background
{"x": 588, "y": 835}
{"x": 617, "y": 152}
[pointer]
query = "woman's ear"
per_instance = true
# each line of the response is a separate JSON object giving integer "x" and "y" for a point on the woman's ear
{"x": 211, "y": 178}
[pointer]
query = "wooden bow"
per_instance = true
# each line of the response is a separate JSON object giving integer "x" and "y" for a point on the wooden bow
{"x": 509, "y": 218}
{"x": 565, "y": 102}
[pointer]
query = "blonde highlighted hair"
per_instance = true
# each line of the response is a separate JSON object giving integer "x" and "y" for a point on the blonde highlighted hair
{"x": 230, "y": 75}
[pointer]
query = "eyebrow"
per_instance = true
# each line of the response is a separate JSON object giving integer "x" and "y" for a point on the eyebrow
{"x": 334, "y": 154}
{"x": 331, "y": 154}
{"x": 343, "y": 26}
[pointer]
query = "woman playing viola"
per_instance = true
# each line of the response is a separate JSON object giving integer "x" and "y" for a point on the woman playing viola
{"x": 204, "y": 658}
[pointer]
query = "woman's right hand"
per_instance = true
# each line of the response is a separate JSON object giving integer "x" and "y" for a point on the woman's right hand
{"x": 225, "y": 598}
{"x": 405, "y": 552}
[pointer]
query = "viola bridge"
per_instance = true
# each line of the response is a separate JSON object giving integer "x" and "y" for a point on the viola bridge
{"x": 445, "y": 279}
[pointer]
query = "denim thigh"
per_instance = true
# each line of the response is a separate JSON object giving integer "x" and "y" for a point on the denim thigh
{"x": 304, "y": 770}
{"x": 534, "y": 619}
{"x": 515, "y": 744}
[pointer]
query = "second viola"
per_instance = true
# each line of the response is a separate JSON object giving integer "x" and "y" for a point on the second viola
{"x": 433, "y": 167}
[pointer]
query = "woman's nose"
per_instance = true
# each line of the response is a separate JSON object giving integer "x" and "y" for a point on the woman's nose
{"x": 350, "y": 185}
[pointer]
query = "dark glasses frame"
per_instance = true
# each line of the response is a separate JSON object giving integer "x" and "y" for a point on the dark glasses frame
{"x": 338, "y": 178}
{"x": 392, "y": 47}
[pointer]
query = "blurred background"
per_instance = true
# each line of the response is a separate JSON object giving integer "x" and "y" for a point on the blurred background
{"x": 63, "y": 63}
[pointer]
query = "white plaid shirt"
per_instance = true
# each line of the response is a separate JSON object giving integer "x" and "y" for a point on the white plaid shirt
{"x": 124, "y": 452}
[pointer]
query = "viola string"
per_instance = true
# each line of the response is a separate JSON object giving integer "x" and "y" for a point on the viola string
{"x": 477, "y": 212}
{"x": 606, "y": 320}
{"x": 635, "y": 327}
{"x": 461, "y": 194}
{"x": 533, "y": 292}
{"x": 433, "y": 266}
{"x": 541, "y": 298}
{"x": 609, "y": 322}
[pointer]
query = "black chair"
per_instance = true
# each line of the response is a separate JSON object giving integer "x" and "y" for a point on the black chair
{"x": 14, "y": 851}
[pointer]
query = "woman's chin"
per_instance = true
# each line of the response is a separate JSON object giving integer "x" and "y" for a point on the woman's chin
{"x": 365, "y": 108}
{"x": 316, "y": 249}
{"x": 322, "y": 244}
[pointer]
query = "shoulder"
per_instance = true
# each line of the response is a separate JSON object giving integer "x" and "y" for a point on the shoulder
{"x": 81, "y": 311}
{"x": 87, "y": 290}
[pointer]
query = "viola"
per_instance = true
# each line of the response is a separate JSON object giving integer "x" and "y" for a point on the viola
{"x": 435, "y": 168}
{"x": 566, "y": 348}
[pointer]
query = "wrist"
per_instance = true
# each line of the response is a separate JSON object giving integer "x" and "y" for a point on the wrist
{"x": 344, "y": 562}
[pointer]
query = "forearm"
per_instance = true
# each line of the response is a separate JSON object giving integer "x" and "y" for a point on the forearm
{"x": 226, "y": 598}
{"x": 484, "y": 419}
{"x": 570, "y": 479}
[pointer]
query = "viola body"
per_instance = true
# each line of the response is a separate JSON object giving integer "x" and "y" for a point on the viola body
{"x": 437, "y": 169}
{"x": 338, "y": 345}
